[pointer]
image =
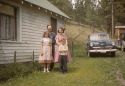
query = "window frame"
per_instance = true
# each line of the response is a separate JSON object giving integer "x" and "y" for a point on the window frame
{"x": 16, "y": 21}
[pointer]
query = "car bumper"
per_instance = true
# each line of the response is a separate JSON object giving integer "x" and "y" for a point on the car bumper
{"x": 103, "y": 51}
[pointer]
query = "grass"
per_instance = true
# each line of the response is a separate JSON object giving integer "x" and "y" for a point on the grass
{"x": 10, "y": 71}
{"x": 78, "y": 50}
{"x": 83, "y": 71}
{"x": 120, "y": 63}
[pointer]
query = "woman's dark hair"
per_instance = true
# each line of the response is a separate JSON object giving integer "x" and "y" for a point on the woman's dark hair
{"x": 63, "y": 29}
{"x": 45, "y": 34}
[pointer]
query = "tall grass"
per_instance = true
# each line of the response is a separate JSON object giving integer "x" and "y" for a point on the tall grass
{"x": 10, "y": 71}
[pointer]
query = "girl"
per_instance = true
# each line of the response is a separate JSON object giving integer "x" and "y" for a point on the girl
{"x": 46, "y": 52}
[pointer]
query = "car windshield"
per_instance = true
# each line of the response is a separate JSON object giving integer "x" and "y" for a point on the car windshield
{"x": 99, "y": 37}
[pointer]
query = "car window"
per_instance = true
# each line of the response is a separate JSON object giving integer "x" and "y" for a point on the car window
{"x": 96, "y": 37}
{"x": 103, "y": 36}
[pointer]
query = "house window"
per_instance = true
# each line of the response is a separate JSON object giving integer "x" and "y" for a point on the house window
{"x": 8, "y": 28}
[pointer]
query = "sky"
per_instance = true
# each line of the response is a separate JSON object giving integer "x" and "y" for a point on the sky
{"x": 73, "y": 2}
{"x": 96, "y": 2}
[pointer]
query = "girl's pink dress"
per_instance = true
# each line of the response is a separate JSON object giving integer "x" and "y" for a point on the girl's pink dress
{"x": 58, "y": 39}
{"x": 47, "y": 51}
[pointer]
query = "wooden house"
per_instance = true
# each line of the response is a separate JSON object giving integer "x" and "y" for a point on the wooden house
{"x": 22, "y": 23}
{"x": 119, "y": 32}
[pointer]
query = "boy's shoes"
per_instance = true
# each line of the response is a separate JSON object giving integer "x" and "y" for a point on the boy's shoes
{"x": 64, "y": 71}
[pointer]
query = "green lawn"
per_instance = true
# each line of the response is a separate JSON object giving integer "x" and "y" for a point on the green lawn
{"x": 83, "y": 71}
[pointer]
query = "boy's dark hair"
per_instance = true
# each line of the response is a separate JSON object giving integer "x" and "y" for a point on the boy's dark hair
{"x": 48, "y": 26}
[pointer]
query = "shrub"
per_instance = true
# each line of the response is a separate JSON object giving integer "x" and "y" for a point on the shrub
{"x": 19, "y": 69}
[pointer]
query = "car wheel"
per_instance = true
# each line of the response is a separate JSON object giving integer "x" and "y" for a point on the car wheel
{"x": 122, "y": 49}
{"x": 113, "y": 54}
{"x": 90, "y": 54}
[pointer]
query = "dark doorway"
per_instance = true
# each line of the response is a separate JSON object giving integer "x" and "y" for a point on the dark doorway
{"x": 54, "y": 24}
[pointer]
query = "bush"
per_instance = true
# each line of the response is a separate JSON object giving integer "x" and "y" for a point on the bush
{"x": 19, "y": 69}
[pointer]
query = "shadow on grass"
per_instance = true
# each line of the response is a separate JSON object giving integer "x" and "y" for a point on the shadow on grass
{"x": 102, "y": 56}
{"x": 70, "y": 69}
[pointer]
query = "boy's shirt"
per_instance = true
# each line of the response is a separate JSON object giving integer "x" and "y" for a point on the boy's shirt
{"x": 63, "y": 49}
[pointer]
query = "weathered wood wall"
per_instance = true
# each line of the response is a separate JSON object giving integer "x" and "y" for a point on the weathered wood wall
{"x": 31, "y": 25}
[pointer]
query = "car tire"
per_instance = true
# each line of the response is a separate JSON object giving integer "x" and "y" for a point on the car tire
{"x": 122, "y": 49}
{"x": 90, "y": 54}
{"x": 113, "y": 54}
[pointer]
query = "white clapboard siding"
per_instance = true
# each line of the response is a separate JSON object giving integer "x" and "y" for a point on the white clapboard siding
{"x": 20, "y": 45}
{"x": 11, "y": 54}
{"x": 34, "y": 18}
{"x": 24, "y": 52}
{"x": 0, "y": 47}
{"x": 20, "y": 48}
{"x": 5, "y": 62}
{"x": 31, "y": 25}
{"x": 20, "y": 57}
{"x": 1, "y": 51}
{"x": 2, "y": 57}
{"x": 21, "y": 52}
{"x": 32, "y": 30}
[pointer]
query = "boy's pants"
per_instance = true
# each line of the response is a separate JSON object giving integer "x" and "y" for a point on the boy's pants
{"x": 63, "y": 63}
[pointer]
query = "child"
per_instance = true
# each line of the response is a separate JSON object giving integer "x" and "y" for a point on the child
{"x": 63, "y": 52}
{"x": 46, "y": 52}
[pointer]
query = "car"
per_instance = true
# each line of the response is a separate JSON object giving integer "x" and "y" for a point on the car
{"x": 100, "y": 43}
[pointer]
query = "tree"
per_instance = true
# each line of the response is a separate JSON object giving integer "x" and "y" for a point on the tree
{"x": 64, "y": 5}
{"x": 119, "y": 12}
{"x": 88, "y": 11}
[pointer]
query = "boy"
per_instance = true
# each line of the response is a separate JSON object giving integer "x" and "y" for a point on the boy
{"x": 63, "y": 51}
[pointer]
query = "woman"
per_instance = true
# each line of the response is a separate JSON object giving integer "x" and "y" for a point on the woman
{"x": 62, "y": 56}
{"x": 46, "y": 52}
